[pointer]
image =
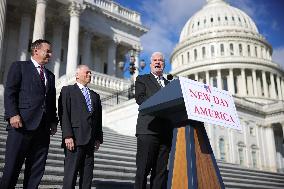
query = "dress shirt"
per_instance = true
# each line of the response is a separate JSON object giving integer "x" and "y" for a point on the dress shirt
{"x": 37, "y": 65}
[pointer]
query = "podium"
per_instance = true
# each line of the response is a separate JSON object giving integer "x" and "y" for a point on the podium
{"x": 192, "y": 163}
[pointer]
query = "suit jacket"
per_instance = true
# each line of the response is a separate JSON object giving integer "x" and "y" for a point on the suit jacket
{"x": 145, "y": 87}
{"x": 26, "y": 95}
{"x": 76, "y": 121}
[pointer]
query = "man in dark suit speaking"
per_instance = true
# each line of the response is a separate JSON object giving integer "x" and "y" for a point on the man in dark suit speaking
{"x": 154, "y": 134}
{"x": 80, "y": 114}
{"x": 30, "y": 109}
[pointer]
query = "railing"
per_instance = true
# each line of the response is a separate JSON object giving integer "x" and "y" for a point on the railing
{"x": 118, "y": 97}
{"x": 116, "y": 9}
{"x": 103, "y": 81}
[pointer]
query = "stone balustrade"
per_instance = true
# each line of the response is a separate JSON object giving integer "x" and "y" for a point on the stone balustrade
{"x": 117, "y": 9}
{"x": 100, "y": 80}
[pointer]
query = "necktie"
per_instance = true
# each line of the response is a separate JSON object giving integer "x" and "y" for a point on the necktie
{"x": 160, "y": 82}
{"x": 41, "y": 74}
{"x": 87, "y": 98}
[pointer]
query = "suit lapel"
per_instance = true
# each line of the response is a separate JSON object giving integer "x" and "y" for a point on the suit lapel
{"x": 154, "y": 80}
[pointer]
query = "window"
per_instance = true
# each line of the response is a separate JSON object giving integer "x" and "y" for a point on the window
{"x": 188, "y": 57}
{"x": 219, "y": 18}
{"x": 251, "y": 131}
{"x": 105, "y": 68}
{"x": 249, "y": 54}
{"x": 231, "y": 49}
{"x": 240, "y": 49}
{"x": 225, "y": 83}
{"x": 254, "y": 160}
{"x": 226, "y": 18}
{"x": 222, "y": 49}
{"x": 214, "y": 82}
{"x": 62, "y": 55}
{"x": 195, "y": 54}
{"x": 233, "y": 18}
{"x": 255, "y": 49}
{"x": 182, "y": 62}
{"x": 211, "y": 20}
{"x": 241, "y": 155}
{"x": 203, "y": 52}
{"x": 212, "y": 51}
{"x": 222, "y": 149}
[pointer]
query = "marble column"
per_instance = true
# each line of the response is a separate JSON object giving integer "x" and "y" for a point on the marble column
{"x": 87, "y": 42}
{"x": 244, "y": 83}
{"x": 39, "y": 24}
{"x": 137, "y": 53}
{"x": 219, "y": 79}
{"x": 73, "y": 41}
{"x": 278, "y": 81}
{"x": 24, "y": 37}
{"x": 231, "y": 82}
{"x": 56, "y": 47}
{"x": 207, "y": 77}
{"x": 2, "y": 28}
{"x": 264, "y": 84}
{"x": 111, "y": 58}
{"x": 272, "y": 86}
{"x": 271, "y": 149}
{"x": 196, "y": 76}
{"x": 254, "y": 83}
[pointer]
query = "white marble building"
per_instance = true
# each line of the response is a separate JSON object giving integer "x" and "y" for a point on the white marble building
{"x": 99, "y": 33}
{"x": 220, "y": 45}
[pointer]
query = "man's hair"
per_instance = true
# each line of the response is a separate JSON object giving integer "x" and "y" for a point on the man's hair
{"x": 37, "y": 44}
{"x": 157, "y": 53}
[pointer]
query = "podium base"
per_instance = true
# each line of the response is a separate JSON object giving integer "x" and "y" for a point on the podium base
{"x": 192, "y": 162}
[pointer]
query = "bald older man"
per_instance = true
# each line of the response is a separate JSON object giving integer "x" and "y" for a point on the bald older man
{"x": 154, "y": 134}
{"x": 80, "y": 114}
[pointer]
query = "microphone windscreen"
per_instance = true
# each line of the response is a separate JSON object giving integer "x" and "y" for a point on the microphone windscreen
{"x": 170, "y": 77}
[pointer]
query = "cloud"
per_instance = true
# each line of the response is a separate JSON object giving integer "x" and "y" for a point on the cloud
{"x": 166, "y": 18}
{"x": 278, "y": 56}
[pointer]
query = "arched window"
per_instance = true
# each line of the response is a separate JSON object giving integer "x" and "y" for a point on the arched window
{"x": 241, "y": 49}
{"x": 182, "y": 61}
{"x": 203, "y": 52}
{"x": 249, "y": 50}
{"x": 222, "y": 49}
{"x": 255, "y": 50}
{"x": 195, "y": 54}
{"x": 222, "y": 149}
{"x": 188, "y": 57}
{"x": 212, "y": 51}
{"x": 231, "y": 49}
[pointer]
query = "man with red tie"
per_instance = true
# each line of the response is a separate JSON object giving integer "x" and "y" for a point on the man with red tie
{"x": 30, "y": 110}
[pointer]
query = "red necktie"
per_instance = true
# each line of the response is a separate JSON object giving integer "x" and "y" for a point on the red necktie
{"x": 41, "y": 75}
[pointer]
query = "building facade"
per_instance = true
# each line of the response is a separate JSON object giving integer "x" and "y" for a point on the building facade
{"x": 98, "y": 33}
{"x": 220, "y": 45}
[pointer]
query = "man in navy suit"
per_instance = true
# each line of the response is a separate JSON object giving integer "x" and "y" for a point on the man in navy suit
{"x": 30, "y": 109}
{"x": 154, "y": 134}
{"x": 80, "y": 114}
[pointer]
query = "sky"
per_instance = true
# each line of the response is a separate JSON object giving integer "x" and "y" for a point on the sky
{"x": 166, "y": 18}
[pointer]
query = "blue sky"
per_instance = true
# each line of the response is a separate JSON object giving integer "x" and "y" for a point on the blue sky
{"x": 166, "y": 18}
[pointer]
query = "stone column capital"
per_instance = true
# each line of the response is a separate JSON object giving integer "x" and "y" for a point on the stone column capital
{"x": 75, "y": 8}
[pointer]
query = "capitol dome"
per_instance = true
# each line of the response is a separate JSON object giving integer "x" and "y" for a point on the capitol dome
{"x": 220, "y": 45}
{"x": 217, "y": 15}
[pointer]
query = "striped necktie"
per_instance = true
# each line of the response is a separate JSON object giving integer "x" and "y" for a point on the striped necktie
{"x": 87, "y": 98}
{"x": 41, "y": 74}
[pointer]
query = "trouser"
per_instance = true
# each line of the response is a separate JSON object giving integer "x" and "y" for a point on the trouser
{"x": 30, "y": 147}
{"x": 152, "y": 155}
{"x": 81, "y": 160}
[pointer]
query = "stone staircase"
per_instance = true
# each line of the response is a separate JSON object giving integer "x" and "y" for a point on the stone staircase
{"x": 115, "y": 165}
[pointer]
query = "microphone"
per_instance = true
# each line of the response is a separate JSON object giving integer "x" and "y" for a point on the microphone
{"x": 170, "y": 77}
